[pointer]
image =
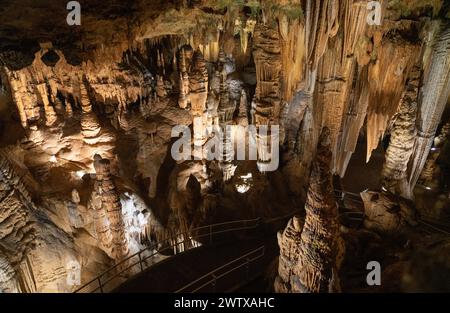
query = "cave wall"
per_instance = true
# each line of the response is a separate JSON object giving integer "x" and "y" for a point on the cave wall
{"x": 117, "y": 86}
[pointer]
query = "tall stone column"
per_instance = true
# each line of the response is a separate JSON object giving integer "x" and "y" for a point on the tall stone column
{"x": 226, "y": 111}
{"x": 310, "y": 262}
{"x": 198, "y": 85}
{"x": 401, "y": 144}
{"x": 90, "y": 128}
{"x": 267, "y": 100}
{"x": 109, "y": 203}
{"x": 433, "y": 97}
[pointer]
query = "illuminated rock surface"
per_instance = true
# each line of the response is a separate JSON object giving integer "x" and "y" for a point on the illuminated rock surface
{"x": 88, "y": 116}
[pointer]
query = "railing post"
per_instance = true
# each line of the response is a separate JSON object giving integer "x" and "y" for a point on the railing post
{"x": 210, "y": 234}
{"x": 140, "y": 262}
{"x": 247, "y": 268}
{"x": 100, "y": 284}
{"x": 214, "y": 282}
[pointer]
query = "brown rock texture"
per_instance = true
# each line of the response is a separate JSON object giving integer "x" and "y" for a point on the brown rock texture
{"x": 385, "y": 95}
{"x": 402, "y": 140}
{"x": 317, "y": 254}
{"x": 387, "y": 213}
{"x": 109, "y": 215}
{"x": 434, "y": 94}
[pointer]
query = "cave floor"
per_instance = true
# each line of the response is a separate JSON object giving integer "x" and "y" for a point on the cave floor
{"x": 175, "y": 272}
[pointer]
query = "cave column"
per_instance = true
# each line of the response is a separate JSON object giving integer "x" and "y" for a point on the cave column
{"x": 110, "y": 204}
{"x": 433, "y": 97}
{"x": 402, "y": 139}
{"x": 317, "y": 255}
{"x": 267, "y": 101}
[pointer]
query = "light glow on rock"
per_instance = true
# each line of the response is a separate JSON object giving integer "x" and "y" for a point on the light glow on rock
{"x": 245, "y": 185}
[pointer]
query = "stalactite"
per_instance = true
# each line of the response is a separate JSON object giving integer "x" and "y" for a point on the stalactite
{"x": 402, "y": 139}
{"x": 433, "y": 97}
{"x": 322, "y": 23}
{"x": 353, "y": 120}
{"x": 385, "y": 94}
{"x": 334, "y": 80}
{"x": 307, "y": 138}
{"x": 329, "y": 77}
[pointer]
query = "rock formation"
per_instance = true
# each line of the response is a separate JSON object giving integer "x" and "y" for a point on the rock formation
{"x": 402, "y": 139}
{"x": 119, "y": 84}
{"x": 267, "y": 55}
{"x": 316, "y": 256}
{"x": 434, "y": 94}
{"x": 386, "y": 213}
{"x": 106, "y": 203}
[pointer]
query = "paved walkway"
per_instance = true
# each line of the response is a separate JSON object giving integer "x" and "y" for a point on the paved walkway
{"x": 175, "y": 272}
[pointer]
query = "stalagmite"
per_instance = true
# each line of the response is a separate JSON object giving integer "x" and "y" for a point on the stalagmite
{"x": 402, "y": 139}
{"x": 50, "y": 115}
{"x": 289, "y": 241}
{"x": 319, "y": 252}
{"x": 198, "y": 86}
{"x": 108, "y": 201}
{"x": 428, "y": 173}
{"x": 69, "y": 110}
{"x": 226, "y": 110}
{"x": 90, "y": 128}
{"x": 183, "y": 62}
{"x": 387, "y": 213}
{"x": 433, "y": 97}
{"x": 242, "y": 116}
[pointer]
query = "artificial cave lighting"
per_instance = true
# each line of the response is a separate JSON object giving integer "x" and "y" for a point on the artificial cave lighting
{"x": 80, "y": 174}
{"x": 242, "y": 188}
{"x": 245, "y": 183}
{"x": 259, "y": 145}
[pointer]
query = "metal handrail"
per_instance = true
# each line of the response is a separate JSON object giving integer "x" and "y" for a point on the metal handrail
{"x": 354, "y": 196}
{"x": 434, "y": 226}
{"x": 168, "y": 243}
{"x": 213, "y": 274}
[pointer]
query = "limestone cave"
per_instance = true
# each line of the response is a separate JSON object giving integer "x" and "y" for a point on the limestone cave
{"x": 227, "y": 146}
